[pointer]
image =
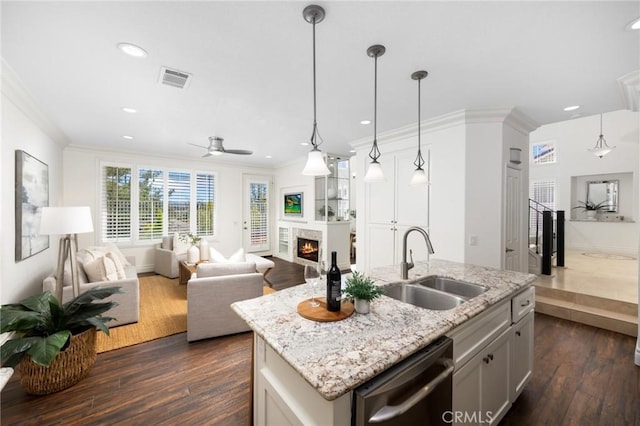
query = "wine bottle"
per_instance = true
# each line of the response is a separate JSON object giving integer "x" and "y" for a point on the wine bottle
{"x": 334, "y": 292}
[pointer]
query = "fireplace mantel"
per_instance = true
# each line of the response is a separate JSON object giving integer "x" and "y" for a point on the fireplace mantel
{"x": 331, "y": 236}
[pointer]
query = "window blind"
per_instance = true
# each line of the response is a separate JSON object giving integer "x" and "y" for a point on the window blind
{"x": 179, "y": 202}
{"x": 205, "y": 203}
{"x": 150, "y": 203}
{"x": 543, "y": 192}
{"x": 259, "y": 213}
{"x": 543, "y": 153}
{"x": 116, "y": 204}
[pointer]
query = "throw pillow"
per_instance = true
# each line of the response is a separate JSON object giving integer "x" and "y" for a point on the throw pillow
{"x": 113, "y": 249}
{"x": 101, "y": 269}
{"x": 216, "y": 256}
{"x": 118, "y": 265}
{"x": 238, "y": 256}
{"x": 179, "y": 246}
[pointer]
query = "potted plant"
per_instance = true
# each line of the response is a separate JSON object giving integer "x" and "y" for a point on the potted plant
{"x": 193, "y": 253}
{"x": 591, "y": 208}
{"x": 54, "y": 345}
{"x": 362, "y": 291}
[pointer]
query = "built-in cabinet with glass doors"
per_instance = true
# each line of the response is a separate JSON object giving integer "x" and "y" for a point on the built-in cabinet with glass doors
{"x": 332, "y": 191}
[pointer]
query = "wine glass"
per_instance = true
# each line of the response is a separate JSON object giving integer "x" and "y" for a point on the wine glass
{"x": 311, "y": 277}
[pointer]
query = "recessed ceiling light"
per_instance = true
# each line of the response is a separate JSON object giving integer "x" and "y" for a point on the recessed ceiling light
{"x": 128, "y": 137}
{"x": 352, "y": 150}
{"x": 268, "y": 156}
{"x": 133, "y": 50}
{"x": 572, "y": 108}
{"x": 304, "y": 143}
{"x": 130, "y": 110}
{"x": 365, "y": 122}
{"x": 633, "y": 25}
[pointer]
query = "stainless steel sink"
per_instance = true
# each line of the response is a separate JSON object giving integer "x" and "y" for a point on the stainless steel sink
{"x": 448, "y": 285}
{"x": 423, "y": 297}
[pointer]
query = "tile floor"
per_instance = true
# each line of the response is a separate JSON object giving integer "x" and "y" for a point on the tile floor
{"x": 596, "y": 274}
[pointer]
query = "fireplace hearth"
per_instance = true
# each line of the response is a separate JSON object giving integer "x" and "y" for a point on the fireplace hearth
{"x": 308, "y": 249}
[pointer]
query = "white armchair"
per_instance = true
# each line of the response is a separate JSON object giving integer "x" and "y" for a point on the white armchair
{"x": 210, "y": 293}
{"x": 166, "y": 260}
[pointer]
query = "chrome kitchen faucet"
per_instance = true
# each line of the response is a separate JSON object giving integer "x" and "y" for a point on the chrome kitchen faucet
{"x": 404, "y": 266}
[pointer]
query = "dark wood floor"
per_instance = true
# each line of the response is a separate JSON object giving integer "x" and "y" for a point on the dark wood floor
{"x": 583, "y": 376}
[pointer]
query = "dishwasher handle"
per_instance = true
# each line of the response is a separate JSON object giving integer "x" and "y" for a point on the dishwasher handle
{"x": 389, "y": 412}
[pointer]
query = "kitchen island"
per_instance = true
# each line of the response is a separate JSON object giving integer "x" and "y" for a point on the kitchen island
{"x": 331, "y": 359}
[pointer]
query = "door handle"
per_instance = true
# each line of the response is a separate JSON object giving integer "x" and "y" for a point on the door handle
{"x": 508, "y": 250}
{"x": 389, "y": 412}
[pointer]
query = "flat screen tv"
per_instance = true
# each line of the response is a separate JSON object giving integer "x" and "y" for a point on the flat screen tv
{"x": 293, "y": 204}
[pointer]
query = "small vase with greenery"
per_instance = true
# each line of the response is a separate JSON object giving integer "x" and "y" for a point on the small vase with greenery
{"x": 45, "y": 335}
{"x": 362, "y": 291}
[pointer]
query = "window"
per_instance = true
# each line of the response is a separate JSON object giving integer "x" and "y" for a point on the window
{"x": 164, "y": 202}
{"x": 116, "y": 204}
{"x": 542, "y": 192}
{"x": 205, "y": 198}
{"x": 543, "y": 152}
{"x": 259, "y": 213}
{"x": 150, "y": 203}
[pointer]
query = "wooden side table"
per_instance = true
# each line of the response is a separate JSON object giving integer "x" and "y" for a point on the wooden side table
{"x": 185, "y": 270}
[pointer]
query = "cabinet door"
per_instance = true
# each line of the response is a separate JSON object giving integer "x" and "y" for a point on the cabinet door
{"x": 494, "y": 378}
{"x": 380, "y": 242}
{"x": 380, "y": 196}
{"x": 466, "y": 393}
{"x": 411, "y": 201}
{"x": 522, "y": 355}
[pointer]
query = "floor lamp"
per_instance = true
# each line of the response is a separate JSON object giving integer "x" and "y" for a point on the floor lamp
{"x": 67, "y": 221}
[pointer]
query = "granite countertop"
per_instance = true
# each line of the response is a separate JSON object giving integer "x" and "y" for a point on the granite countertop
{"x": 335, "y": 357}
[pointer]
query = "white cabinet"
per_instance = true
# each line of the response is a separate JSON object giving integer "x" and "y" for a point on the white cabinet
{"x": 521, "y": 354}
{"x": 392, "y": 206}
{"x": 494, "y": 360}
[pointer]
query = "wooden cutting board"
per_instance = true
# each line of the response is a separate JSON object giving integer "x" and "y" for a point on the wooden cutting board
{"x": 321, "y": 314}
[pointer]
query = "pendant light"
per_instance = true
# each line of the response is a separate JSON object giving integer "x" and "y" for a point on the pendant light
{"x": 419, "y": 176}
{"x": 374, "y": 172}
{"x": 601, "y": 149}
{"x": 316, "y": 165}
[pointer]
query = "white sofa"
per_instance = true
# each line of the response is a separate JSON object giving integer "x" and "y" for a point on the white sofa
{"x": 210, "y": 293}
{"x": 128, "y": 309}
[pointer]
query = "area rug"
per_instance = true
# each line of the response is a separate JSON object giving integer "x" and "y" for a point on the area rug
{"x": 163, "y": 312}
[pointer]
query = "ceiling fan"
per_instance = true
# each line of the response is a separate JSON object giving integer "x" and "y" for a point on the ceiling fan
{"x": 216, "y": 148}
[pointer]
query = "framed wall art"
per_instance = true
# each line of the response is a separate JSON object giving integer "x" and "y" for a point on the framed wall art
{"x": 32, "y": 194}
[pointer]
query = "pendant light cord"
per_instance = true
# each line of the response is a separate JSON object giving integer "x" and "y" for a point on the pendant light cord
{"x": 419, "y": 160}
{"x": 374, "y": 154}
{"x": 315, "y": 132}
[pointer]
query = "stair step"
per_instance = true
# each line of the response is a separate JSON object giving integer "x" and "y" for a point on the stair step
{"x": 608, "y": 316}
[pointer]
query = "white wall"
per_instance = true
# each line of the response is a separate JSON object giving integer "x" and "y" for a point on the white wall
{"x": 22, "y": 129}
{"x": 81, "y": 181}
{"x": 573, "y": 139}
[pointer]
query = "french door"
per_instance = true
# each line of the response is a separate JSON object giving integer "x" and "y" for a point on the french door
{"x": 256, "y": 213}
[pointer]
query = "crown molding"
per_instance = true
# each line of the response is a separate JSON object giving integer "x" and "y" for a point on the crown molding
{"x": 12, "y": 87}
{"x": 630, "y": 88}
{"x": 510, "y": 116}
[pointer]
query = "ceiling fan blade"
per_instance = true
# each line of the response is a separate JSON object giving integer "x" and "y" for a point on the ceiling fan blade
{"x": 238, "y": 151}
{"x": 208, "y": 154}
{"x": 199, "y": 146}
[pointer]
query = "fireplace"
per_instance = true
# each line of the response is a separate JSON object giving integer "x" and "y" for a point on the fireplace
{"x": 308, "y": 249}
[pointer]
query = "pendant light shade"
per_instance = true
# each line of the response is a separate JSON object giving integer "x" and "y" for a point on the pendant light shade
{"x": 316, "y": 165}
{"x": 601, "y": 149}
{"x": 419, "y": 175}
{"x": 374, "y": 172}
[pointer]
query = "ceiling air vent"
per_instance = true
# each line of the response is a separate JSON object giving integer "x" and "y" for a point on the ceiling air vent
{"x": 174, "y": 78}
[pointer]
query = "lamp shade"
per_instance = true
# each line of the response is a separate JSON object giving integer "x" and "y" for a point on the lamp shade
{"x": 65, "y": 220}
{"x": 374, "y": 173}
{"x": 419, "y": 178}
{"x": 315, "y": 164}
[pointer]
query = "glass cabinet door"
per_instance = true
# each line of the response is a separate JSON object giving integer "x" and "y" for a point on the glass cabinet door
{"x": 332, "y": 191}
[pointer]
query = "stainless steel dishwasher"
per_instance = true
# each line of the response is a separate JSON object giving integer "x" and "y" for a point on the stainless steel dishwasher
{"x": 416, "y": 391}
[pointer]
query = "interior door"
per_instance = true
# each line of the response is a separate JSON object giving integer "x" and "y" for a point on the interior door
{"x": 513, "y": 220}
{"x": 256, "y": 213}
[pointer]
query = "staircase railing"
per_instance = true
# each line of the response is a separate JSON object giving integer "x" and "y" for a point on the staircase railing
{"x": 547, "y": 231}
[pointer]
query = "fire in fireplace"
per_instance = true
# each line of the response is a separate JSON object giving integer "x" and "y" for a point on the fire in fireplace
{"x": 308, "y": 249}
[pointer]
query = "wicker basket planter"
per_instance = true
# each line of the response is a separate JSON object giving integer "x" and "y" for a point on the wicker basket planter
{"x": 67, "y": 369}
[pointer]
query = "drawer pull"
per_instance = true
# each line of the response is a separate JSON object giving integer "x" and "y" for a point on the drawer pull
{"x": 518, "y": 333}
{"x": 527, "y": 303}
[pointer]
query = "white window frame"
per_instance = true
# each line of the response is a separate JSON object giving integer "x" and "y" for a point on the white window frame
{"x": 551, "y": 143}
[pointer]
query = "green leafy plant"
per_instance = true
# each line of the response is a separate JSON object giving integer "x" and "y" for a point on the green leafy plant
{"x": 359, "y": 286}
{"x": 43, "y": 327}
{"x": 190, "y": 238}
{"x": 590, "y": 205}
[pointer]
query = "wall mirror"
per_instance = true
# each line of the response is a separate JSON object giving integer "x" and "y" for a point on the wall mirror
{"x": 605, "y": 192}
